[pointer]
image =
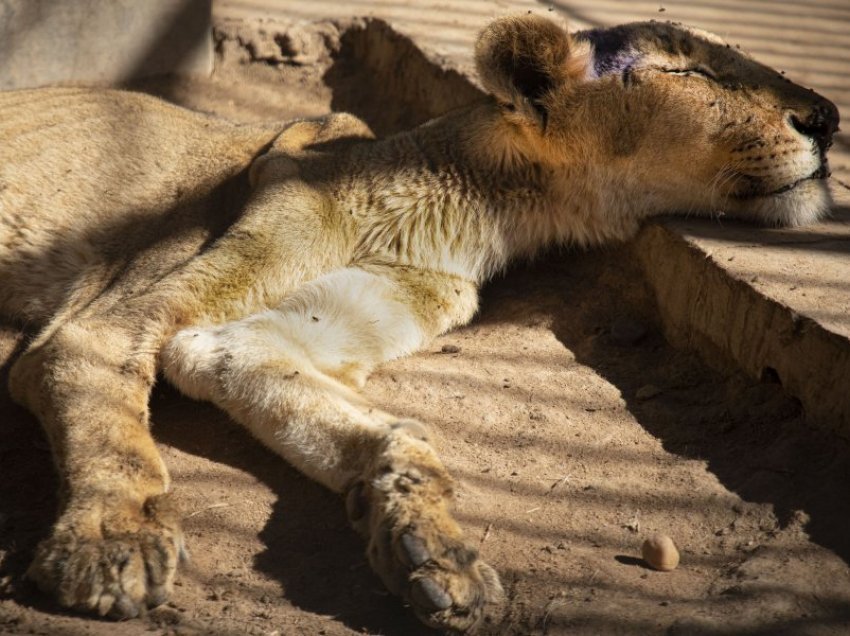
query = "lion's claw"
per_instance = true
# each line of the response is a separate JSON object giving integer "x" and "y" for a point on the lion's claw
{"x": 427, "y": 594}
{"x": 413, "y": 550}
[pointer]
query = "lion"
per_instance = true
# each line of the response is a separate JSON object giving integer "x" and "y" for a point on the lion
{"x": 269, "y": 268}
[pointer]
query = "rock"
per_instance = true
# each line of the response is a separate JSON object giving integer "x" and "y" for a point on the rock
{"x": 660, "y": 553}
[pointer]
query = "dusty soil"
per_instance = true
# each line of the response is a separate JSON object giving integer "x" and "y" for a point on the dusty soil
{"x": 573, "y": 428}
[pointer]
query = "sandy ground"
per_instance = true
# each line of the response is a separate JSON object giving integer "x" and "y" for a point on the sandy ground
{"x": 561, "y": 468}
{"x": 573, "y": 429}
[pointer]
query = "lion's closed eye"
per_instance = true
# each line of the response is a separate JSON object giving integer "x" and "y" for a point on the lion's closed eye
{"x": 700, "y": 71}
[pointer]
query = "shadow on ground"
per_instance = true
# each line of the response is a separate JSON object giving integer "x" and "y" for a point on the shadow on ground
{"x": 753, "y": 436}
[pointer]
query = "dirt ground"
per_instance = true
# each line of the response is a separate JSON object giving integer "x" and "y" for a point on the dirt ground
{"x": 573, "y": 429}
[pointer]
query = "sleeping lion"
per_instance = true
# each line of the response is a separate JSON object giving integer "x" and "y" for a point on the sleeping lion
{"x": 270, "y": 268}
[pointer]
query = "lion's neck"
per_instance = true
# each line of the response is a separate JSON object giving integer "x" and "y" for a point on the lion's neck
{"x": 461, "y": 195}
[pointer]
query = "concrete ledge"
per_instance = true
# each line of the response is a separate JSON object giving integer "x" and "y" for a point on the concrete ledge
{"x": 731, "y": 301}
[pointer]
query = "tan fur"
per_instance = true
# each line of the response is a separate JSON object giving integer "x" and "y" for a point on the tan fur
{"x": 133, "y": 239}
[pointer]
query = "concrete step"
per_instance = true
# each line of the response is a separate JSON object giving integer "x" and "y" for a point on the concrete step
{"x": 776, "y": 303}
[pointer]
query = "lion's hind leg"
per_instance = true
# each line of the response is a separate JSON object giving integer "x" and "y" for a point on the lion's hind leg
{"x": 287, "y": 375}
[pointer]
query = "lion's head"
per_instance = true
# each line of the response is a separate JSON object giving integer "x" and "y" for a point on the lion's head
{"x": 672, "y": 116}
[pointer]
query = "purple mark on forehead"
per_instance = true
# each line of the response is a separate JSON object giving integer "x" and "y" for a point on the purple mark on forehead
{"x": 613, "y": 50}
{"x": 614, "y": 63}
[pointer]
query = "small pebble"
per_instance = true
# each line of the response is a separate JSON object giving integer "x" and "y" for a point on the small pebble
{"x": 660, "y": 553}
{"x": 450, "y": 348}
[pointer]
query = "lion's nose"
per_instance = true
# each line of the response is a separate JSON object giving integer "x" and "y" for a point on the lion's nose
{"x": 818, "y": 122}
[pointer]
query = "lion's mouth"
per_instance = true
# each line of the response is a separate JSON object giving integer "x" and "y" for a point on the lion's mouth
{"x": 754, "y": 192}
{"x": 820, "y": 173}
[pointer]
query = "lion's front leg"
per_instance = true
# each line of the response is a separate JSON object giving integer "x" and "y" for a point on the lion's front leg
{"x": 288, "y": 376}
{"x": 115, "y": 546}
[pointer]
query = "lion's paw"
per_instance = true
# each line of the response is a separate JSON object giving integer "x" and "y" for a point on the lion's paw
{"x": 415, "y": 545}
{"x": 448, "y": 585}
{"x": 120, "y": 574}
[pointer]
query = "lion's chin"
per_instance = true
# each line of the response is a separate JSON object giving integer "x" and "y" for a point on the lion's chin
{"x": 807, "y": 202}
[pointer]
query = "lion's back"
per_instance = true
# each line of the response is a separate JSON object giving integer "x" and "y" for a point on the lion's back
{"x": 88, "y": 176}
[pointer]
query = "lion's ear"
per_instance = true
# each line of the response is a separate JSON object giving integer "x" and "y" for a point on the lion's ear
{"x": 520, "y": 60}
